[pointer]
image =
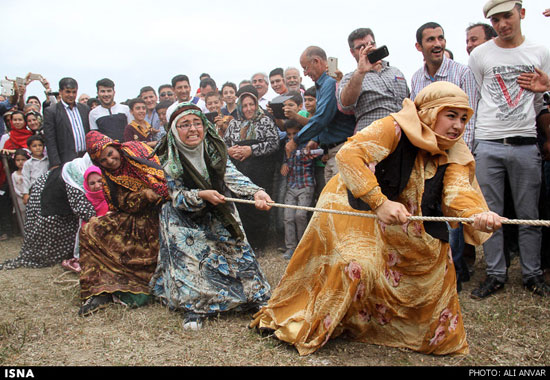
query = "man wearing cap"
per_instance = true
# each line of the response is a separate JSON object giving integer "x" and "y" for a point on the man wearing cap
{"x": 506, "y": 140}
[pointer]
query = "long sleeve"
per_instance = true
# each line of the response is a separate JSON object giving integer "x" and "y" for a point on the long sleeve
{"x": 26, "y": 174}
{"x": 133, "y": 202}
{"x": 238, "y": 183}
{"x": 463, "y": 198}
{"x": 358, "y": 157}
{"x": 325, "y": 111}
{"x": 51, "y": 136}
{"x": 266, "y": 132}
{"x": 468, "y": 85}
{"x": 183, "y": 198}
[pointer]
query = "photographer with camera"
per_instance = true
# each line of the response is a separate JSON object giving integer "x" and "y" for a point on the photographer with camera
{"x": 373, "y": 90}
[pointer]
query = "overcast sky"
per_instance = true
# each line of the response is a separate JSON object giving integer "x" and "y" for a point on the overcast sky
{"x": 138, "y": 43}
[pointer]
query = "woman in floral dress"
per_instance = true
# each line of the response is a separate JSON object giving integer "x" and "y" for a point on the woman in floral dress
{"x": 205, "y": 264}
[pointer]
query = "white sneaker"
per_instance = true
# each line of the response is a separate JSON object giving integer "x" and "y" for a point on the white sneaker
{"x": 192, "y": 325}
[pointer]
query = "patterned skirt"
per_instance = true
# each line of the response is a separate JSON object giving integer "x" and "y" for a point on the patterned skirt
{"x": 50, "y": 239}
{"x": 118, "y": 253}
{"x": 202, "y": 269}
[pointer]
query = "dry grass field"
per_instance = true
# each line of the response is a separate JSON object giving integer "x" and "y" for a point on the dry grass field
{"x": 39, "y": 326}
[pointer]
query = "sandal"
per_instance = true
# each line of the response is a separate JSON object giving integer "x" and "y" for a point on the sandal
{"x": 72, "y": 265}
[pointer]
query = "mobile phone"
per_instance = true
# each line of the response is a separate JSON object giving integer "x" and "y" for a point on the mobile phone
{"x": 332, "y": 66}
{"x": 35, "y": 77}
{"x": 7, "y": 88}
{"x": 20, "y": 81}
{"x": 211, "y": 116}
{"x": 378, "y": 54}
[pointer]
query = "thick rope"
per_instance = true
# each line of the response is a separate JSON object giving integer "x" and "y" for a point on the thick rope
{"x": 545, "y": 223}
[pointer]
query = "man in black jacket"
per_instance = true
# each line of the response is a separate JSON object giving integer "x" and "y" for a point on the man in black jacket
{"x": 65, "y": 125}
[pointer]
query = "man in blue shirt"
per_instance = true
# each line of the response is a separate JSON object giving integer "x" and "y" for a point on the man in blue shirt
{"x": 328, "y": 127}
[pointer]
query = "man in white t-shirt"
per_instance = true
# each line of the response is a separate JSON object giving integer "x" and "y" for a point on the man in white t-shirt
{"x": 182, "y": 90}
{"x": 110, "y": 118}
{"x": 506, "y": 140}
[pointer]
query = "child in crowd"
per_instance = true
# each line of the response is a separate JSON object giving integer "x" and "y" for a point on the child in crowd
{"x": 161, "y": 109}
{"x": 300, "y": 187}
{"x": 93, "y": 188}
{"x": 20, "y": 157}
{"x": 34, "y": 167}
{"x": 310, "y": 101}
{"x": 293, "y": 110}
{"x": 139, "y": 129}
{"x": 310, "y": 104}
{"x": 229, "y": 96}
{"x": 214, "y": 103}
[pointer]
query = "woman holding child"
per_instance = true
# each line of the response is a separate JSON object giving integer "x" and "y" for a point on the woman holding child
{"x": 392, "y": 281}
{"x": 118, "y": 251}
{"x": 205, "y": 264}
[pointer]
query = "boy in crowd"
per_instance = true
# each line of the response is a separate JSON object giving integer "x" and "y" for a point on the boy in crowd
{"x": 161, "y": 109}
{"x": 35, "y": 166}
{"x": 293, "y": 110}
{"x": 139, "y": 129}
{"x": 299, "y": 172}
{"x": 310, "y": 102}
{"x": 214, "y": 103}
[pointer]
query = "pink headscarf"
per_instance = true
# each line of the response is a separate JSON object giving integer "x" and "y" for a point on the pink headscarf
{"x": 97, "y": 198}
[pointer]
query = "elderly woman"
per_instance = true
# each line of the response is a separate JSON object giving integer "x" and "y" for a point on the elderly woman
{"x": 118, "y": 251}
{"x": 205, "y": 265}
{"x": 252, "y": 141}
{"x": 392, "y": 281}
{"x": 57, "y": 202}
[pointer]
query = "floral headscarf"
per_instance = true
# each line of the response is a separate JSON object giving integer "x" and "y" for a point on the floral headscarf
{"x": 171, "y": 149}
{"x": 248, "y": 129}
{"x": 137, "y": 169}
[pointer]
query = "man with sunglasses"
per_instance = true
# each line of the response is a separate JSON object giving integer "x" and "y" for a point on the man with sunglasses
{"x": 373, "y": 90}
{"x": 166, "y": 92}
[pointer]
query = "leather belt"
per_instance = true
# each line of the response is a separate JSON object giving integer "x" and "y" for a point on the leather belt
{"x": 516, "y": 140}
{"x": 330, "y": 146}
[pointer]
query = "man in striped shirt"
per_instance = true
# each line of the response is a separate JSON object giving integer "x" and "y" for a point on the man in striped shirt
{"x": 65, "y": 125}
{"x": 431, "y": 43}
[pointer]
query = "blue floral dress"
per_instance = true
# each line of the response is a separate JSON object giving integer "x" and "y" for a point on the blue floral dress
{"x": 202, "y": 269}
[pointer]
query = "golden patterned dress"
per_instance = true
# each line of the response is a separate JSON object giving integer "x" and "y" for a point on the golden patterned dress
{"x": 118, "y": 251}
{"x": 380, "y": 284}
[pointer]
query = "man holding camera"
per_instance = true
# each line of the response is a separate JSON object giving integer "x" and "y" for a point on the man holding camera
{"x": 373, "y": 90}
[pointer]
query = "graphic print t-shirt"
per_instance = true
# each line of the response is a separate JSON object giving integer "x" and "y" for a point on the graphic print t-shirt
{"x": 505, "y": 109}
